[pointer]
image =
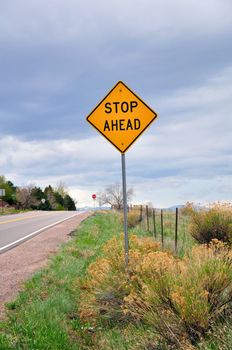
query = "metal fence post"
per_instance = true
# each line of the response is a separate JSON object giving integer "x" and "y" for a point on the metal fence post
{"x": 154, "y": 223}
{"x": 147, "y": 212}
{"x": 176, "y": 230}
{"x": 141, "y": 213}
{"x": 162, "y": 227}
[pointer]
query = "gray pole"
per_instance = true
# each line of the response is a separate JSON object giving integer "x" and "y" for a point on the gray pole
{"x": 176, "y": 230}
{"x": 126, "y": 240}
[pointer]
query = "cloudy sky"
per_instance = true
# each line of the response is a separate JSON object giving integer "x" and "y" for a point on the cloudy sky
{"x": 59, "y": 58}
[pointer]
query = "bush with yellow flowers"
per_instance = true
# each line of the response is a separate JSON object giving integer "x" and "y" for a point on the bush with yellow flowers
{"x": 180, "y": 299}
{"x": 107, "y": 282}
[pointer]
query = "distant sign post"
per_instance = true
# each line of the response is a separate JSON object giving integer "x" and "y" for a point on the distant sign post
{"x": 2, "y": 194}
{"x": 94, "y": 199}
{"x": 121, "y": 117}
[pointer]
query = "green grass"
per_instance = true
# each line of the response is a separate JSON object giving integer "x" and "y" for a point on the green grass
{"x": 184, "y": 240}
{"x": 220, "y": 337}
{"x": 44, "y": 316}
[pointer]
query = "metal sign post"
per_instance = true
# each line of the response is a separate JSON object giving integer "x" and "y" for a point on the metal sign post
{"x": 126, "y": 240}
{"x": 121, "y": 117}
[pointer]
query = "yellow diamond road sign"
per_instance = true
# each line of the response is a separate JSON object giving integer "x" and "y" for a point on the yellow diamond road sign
{"x": 121, "y": 117}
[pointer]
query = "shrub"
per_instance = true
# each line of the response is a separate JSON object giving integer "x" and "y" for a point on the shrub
{"x": 133, "y": 218}
{"x": 187, "y": 209}
{"x": 59, "y": 207}
{"x": 215, "y": 223}
{"x": 107, "y": 282}
{"x": 182, "y": 299}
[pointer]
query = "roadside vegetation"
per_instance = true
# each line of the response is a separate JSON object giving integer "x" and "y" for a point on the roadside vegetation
{"x": 7, "y": 210}
{"x": 213, "y": 223}
{"x": 86, "y": 299}
{"x": 30, "y": 197}
{"x": 164, "y": 233}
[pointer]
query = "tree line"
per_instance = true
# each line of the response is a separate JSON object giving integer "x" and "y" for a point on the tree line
{"x": 33, "y": 197}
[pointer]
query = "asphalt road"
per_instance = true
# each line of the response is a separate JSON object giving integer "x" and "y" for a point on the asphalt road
{"x": 14, "y": 229}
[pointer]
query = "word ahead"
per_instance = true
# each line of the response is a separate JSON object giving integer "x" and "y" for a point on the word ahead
{"x": 122, "y": 125}
{"x": 121, "y": 117}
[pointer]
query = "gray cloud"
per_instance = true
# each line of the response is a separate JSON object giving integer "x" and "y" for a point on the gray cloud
{"x": 58, "y": 60}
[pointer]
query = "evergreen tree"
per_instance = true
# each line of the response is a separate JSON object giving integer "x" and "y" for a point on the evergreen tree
{"x": 50, "y": 196}
{"x": 59, "y": 201}
{"x": 69, "y": 203}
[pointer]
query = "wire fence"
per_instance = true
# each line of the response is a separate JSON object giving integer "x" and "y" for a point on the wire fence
{"x": 169, "y": 227}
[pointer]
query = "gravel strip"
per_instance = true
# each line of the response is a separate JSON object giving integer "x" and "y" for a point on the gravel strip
{"x": 21, "y": 262}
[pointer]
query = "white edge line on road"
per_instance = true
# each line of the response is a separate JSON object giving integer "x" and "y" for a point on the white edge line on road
{"x": 8, "y": 246}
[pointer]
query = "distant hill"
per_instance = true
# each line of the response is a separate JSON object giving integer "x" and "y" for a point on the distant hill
{"x": 173, "y": 208}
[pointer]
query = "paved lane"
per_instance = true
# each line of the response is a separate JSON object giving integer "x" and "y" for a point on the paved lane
{"x": 16, "y": 228}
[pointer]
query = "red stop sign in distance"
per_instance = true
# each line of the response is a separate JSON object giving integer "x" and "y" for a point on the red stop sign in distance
{"x": 94, "y": 196}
